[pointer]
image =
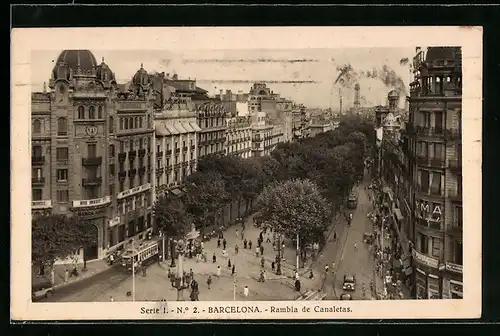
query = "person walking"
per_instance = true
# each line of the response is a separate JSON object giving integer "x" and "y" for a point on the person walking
{"x": 233, "y": 270}
{"x": 335, "y": 236}
{"x": 224, "y": 243}
{"x": 209, "y": 281}
{"x": 261, "y": 237}
{"x": 245, "y": 243}
{"x": 311, "y": 275}
{"x": 257, "y": 250}
{"x": 273, "y": 264}
{"x": 218, "y": 242}
{"x": 229, "y": 263}
{"x": 326, "y": 269}
{"x": 262, "y": 249}
{"x": 245, "y": 292}
{"x": 218, "y": 271}
{"x": 250, "y": 244}
{"x": 297, "y": 285}
{"x": 237, "y": 234}
{"x": 262, "y": 262}
{"x": 236, "y": 249}
{"x": 111, "y": 259}
{"x": 356, "y": 246}
{"x": 214, "y": 258}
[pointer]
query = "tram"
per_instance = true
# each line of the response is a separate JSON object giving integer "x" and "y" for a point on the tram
{"x": 142, "y": 255}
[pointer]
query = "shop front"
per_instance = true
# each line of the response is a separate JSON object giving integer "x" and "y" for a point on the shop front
{"x": 452, "y": 284}
{"x": 427, "y": 276}
{"x": 94, "y": 214}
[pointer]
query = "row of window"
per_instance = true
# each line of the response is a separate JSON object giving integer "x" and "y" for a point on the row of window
{"x": 91, "y": 113}
{"x": 159, "y": 162}
{"x": 127, "y": 123}
{"x": 433, "y": 246}
{"x": 62, "y": 126}
{"x": 209, "y": 122}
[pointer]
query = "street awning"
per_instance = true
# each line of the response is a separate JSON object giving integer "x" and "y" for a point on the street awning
{"x": 188, "y": 127}
{"x": 161, "y": 130}
{"x": 180, "y": 128}
{"x": 171, "y": 129}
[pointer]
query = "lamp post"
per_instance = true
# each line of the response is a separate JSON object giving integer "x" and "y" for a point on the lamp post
{"x": 180, "y": 248}
{"x": 278, "y": 261}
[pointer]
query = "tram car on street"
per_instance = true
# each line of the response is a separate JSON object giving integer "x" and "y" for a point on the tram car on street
{"x": 141, "y": 255}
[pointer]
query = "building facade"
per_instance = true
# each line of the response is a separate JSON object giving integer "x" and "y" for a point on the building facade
{"x": 90, "y": 150}
{"x": 211, "y": 118}
{"x": 239, "y": 136}
{"x": 434, "y": 133}
{"x": 176, "y": 137}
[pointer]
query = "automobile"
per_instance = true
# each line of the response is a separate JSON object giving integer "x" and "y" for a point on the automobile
{"x": 41, "y": 290}
{"x": 345, "y": 296}
{"x": 352, "y": 201}
{"x": 349, "y": 283}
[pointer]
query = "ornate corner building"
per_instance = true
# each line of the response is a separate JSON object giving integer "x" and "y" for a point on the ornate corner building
{"x": 92, "y": 150}
{"x": 434, "y": 132}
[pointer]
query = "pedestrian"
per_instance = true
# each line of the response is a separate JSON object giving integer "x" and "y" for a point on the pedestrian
{"x": 245, "y": 292}
{"x": 262, "y": 262}
{"x": 268, "y": 240}
{"x": 264, "y": 275}
{"x": 111, "y": 259}
{"x": 296, "y": 275}
{"x": 242, "y": 235}
{"x": 250, "y": 244}
{"x": 237, "y": 233}
{"x": 260, "y": 236}
{"x": 202, "y": 245}
{"x": 209, "y": 281}
{"x": 257, "y": 250}
{"x": 224, "y": 243}
{"x": 261, "y": 276}
{"x": 356, "y": 246}
{"x": 233, "y": 270}
{"x": 66, "y": 275}
{"x": 272, "y": 265}
{"x": 297, "y": 285}
{"x": 218, "y": 242}
{"x": 224, "y": 253}
{"x": 112, "y": 299}
{"x": 191, "y": 273}
{"x": 245, "y": 243}
{"x": 214, "y": 258}
{"x": 259, "y": 242}
{"x": 262, "y": 249}
{"x": 229, "y": 263}
{"x": 218, "y": 271}
{"x": 236, "y": 249}
{"x": 335, "y": 236}
{"x": 311, "y": 275}
{"x": 333, "y": 266}
{"x": 326, "y": 269}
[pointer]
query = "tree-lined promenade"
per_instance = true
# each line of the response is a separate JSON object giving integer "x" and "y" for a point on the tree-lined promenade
{"x": 297, "y": 190}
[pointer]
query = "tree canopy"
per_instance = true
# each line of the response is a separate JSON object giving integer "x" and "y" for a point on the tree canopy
{"x": 295, "y": 207}
{"x": 171, "y": 215}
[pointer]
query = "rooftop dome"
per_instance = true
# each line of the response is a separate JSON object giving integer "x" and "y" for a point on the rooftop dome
{"x": 141, "y": 77}
{"x": 104, "y": 73}
{"x": 75, "y": 59}
{"x": 393, "y": 94}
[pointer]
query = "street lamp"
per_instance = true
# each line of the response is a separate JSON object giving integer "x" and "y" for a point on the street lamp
{"x": 180, "y": 248}
{"x": 278, "y": 257}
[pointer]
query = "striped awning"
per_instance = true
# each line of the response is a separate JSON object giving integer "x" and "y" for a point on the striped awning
{"x": 179, "y": 127}
{"x": 171, "y": 129}
{"x": 161, "y": 130}
{"x": 188, "y": 127}
{"x": 195, "y": 126}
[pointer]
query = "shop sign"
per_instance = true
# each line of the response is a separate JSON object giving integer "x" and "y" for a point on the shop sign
{"x": 135, "y": 190}
{"x": 426, "y": 260}
{"x": 423, "y": 210}
{"x": 91, "y": 212}
{"x": 92, "y": 202}
{"x": 454, "y": 267}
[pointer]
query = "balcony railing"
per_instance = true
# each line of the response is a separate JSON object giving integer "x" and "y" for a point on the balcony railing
{"x": 431, "y": 161}
{"x": 93, "y": 181}
{"x": 92, "y": 161}
{"x": 184, "y": 149}
{"x": 429, "y": 131}
{"x": 37, "y": 180}
{"x": 38, "y": 160}
{"x": 455, "y": 165}
{"x": 159, "y": 155}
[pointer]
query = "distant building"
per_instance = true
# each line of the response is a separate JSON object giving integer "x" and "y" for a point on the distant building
{"x": 239, "y": 136}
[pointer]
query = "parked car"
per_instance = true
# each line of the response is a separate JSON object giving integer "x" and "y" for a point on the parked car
{"x": 346, "y": 296}
{"x": 41, "y": 290}
{"x": 349, "y": 283}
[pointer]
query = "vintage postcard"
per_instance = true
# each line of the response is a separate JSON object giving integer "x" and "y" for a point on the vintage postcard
{"x": 246, "y": 173}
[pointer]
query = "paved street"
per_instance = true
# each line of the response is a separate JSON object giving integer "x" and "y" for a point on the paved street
{"x": 349, "y": 259}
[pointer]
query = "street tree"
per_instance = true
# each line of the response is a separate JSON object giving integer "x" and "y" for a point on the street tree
{"x": 295, "y": 207}
{"x": 85, "y": 234}
{"x": 51, "y": 239}
{"x": 172, "y": 219}
{"x": 206, "y": 195}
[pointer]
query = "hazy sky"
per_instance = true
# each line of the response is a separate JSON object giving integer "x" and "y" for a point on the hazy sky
{"x": 313, "y": 71}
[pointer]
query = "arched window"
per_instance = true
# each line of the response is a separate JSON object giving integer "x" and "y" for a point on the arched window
{"x": 121, "y": 124}
{"x": 37, "y": 126}
{"x": 111, "y": 150}
{"x": 92, "y": 112}
{"x": 81, "y": 112}
{"x": 99, "y": 112}
{"x": 126, "y": 123}
{"x": 140, "y": 122}
{"x": 136, "y": 122}
{"x": 131, "y": 122}
{"x": 111, "y": 126}
{"x": 62, "y": 127}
